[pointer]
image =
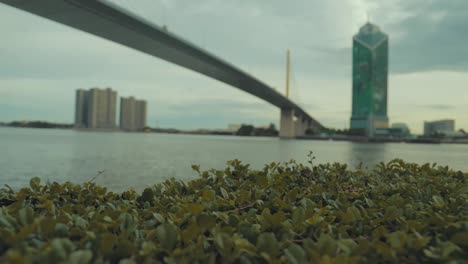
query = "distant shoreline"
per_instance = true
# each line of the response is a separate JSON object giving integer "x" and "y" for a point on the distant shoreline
{"x": 205, "y": 132}
{"x": 36, "y": 124}
{"x": 361, "y": 139}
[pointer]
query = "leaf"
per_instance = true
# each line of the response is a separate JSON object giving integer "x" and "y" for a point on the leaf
{"x": 347, "y": 245}
{"x": 80, "y": 221}
{"x": 206, "y": 221}
{"x": 384, "y": 250}
{"x": 61, "y": 248}
{"x": 462, "y": 190}
{"x": 314, "y": 220}
{"x": 159, "y": 217}
{"x": 224, "y": 245}
{"x": 243, "y": 245}
{"x": 397, "y": 240}
{"x": 267, "y": 243}
{"x": 326, "y": 245}
{"x": 190, "y": 233}
{"x": 167, "y": 235}
{"x": 5, "y": 223}
{"x": 80, "y": 257}
{"x": 106, "y": 243}
{"x": 224, "y": 193}
{"x": 126, "y": 222}
{"x": 438, "y": 201}
{"x": 420, "y": 241}
{"x": 124, "y": 248}
{"x": 196, "y": 168}
{"x": 461, "y": 239}
{"x": 35, "y": 183}
{"x": 298, "y": 216}
{"x": 208, "y": 195}
{"x": 295, "y": 254}
{"x": 194, "y": 208}
{"x": 26, "y": 215}
{"x": 61, "y": 230}
{"x": 147, "y": 195}
{"x": 447, "y": 248}
{"x": 127, "y": 261}
{"x": 14, "y": 256}
{"x": 147, "y": 248}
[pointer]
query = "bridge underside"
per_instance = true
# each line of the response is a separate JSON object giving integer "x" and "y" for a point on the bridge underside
{"x": 108, "y": 21}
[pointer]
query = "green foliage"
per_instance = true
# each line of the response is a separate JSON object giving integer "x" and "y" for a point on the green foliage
{"x": 285, "y": 213}
{"x": 250, "y": 130}
{"x": 38, "y": 124}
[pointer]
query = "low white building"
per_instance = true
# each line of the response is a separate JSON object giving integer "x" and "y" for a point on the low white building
{"x": 446, "y": 127}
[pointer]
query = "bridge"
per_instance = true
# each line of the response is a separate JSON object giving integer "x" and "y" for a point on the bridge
{"x": 109, "y": 21}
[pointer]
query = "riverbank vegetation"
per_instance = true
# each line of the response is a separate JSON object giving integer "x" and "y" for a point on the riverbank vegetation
{"x": 38, "y": 124}
{"x": 284, "y": 213}
{"x": 250, "y": 130}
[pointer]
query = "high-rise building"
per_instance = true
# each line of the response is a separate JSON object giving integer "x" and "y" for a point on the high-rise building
{"x": 132, "y": 114}
{"x": 370, "y": 70}
{"x": 81, "y": 109}
{"x": 140, "y": 114}
{"x": 95, "y": 108}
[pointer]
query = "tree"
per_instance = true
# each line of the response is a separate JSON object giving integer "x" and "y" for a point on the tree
{"x": 245, "y": 130}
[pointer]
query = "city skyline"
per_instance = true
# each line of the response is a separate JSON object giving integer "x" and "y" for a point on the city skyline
{"x": 422, "y": 81}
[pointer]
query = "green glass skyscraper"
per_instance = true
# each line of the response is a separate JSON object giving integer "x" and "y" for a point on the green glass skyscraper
{"x": 370, "y": 70}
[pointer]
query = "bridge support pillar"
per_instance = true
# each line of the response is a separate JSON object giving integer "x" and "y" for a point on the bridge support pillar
{"x": 287, "y": 126}
{"x": 300, "y": 127}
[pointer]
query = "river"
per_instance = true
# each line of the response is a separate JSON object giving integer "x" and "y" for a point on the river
{"x": 137, "y": 160}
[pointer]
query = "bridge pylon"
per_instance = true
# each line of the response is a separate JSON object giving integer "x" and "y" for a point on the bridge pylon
{"x": 287, "y": 127}
{"x": 301, "y": 125}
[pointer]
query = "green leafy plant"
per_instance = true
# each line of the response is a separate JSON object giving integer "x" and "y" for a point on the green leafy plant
{"x": 284, "y": 213}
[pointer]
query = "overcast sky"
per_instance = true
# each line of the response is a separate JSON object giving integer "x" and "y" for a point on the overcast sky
{"x": 42, "y": 62}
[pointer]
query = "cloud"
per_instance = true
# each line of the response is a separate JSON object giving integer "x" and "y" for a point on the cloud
{"x": 425, "y": 35}
{"x": 443, "y": 107}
